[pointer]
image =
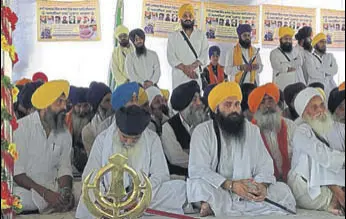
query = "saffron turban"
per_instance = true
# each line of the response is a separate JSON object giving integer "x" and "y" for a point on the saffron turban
{"x": 123, "y": 94}
{"x": 243, "y": 28}
{"x": 152, "y": 92}
{"x": 142, "y": 96}
{"x": 132, "y": 120}
{"x": 257, "y": 95}
{"x": 40, "y": 76}
{"x": 214, "y": 50}
{"x": 165, "y": 94}
{"x": 342, "y": 86}
{"x": 318, "y": 38}
{"x": 303, "y": 99}
{"x": 335, "y": 99}
{"x": 223, "y": 91}
{"x": 186, "y": 8}
{"x": 183, "y": 95}
{"x": 49, "y": 92}
{"x": 121, "y": 30}
{"x": 23, "y": 81}
{"x": 286, "y": 31}
{"x": 97, "y": 91}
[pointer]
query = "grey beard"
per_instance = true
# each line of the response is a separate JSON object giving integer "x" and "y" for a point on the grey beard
{"x": 55, "y": 122}
{"x": 78, "y": 124}
{"x": 104, "y": 114}
{"x": 321, "y": 125}
{"x": 270, "y": 121}
{"x": 193, "y": 116}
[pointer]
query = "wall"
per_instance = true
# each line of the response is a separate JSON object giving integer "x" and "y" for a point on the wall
{"x": 81, "y": 63}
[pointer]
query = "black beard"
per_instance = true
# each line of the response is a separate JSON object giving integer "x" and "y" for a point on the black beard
{"x": 187, "y": 26}
{"x": 286, "y": 47}
{"x": 141, "y": 50}
{"x": 307, "y": 46}
{"x": 245, "y": 43}
{"x": 323, "y": 51}
{"x": 55, "y": 121}
{"x": 124, "y": 43}
{"x": 233, "y": 124}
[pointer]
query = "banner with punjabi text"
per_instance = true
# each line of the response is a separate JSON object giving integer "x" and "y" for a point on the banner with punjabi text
{"x": 160, "y": 17}
{"x": 221, "y": 21}
{"x": 333, "y": 25}
{"x": 276, "y": 16}
{"x": 68, "y": 21}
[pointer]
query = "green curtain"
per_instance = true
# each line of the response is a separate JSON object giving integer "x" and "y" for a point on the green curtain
{"x": 119, "y": 17}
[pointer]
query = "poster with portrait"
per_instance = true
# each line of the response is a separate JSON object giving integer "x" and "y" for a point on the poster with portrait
{"x": 160, "y": 17}
{"x": 276, "y": 16}
{"x": 68, "y": 21}
{"x": 333, "y": 25}
{"x": 221, "y": 21}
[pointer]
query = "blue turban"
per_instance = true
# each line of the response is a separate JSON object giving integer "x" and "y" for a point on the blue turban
{"x": 97, "y": 91}
{"x": 214, "y": 50}
{"x": 78, "y": 95}
{"x": 24, "y": 96}
{"x": 123, "y": 94}
{"x": 243, "y": 28}
{"x": 183, "y": 95}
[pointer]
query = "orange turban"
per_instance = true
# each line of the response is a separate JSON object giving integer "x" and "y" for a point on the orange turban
{"x": 342, "y": 86}
{"x": 186, "y": 8}
{"x": 223, "y": 91}
{"x": 257, "y": 95}
{"x": 23, "y": 81}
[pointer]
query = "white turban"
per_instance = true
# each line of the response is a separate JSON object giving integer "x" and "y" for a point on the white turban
{"x": 303, "y": 99}
{"x": 152, "y": 92}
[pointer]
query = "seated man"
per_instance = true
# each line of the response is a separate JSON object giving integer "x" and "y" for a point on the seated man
{"x": 290, "y": 94}
{"x": 76, "y": 119}
{"x": 176, "y": 132}
{"x": 130, "y": 137}
{"x": 43, "y": 172}
{"x": 157, "y": 105}
{"x": 230, "y": 170}
{"x": 99, "y": 96}
{"x": 317, "y": 176}
{"x": 336, "y": 104}
{"x": 276, "y": 131}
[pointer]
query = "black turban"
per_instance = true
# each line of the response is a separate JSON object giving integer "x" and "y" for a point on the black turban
{"x": 136, "y": 32}
{"x": 24, "y": 96}
{"x": 246, "y": 89}
{"x": 317, "y": 85}
{"x": 183, "y": 95}
{"x": 303, "y": 33}
{"x": 206, "y": 93}
{"x": 132, "y": 120}
{"x": 292, "y": 90}
{"x": 335, "y": 99}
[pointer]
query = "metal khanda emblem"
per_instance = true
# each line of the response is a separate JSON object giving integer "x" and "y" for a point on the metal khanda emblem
{"x": 117, "y": 203}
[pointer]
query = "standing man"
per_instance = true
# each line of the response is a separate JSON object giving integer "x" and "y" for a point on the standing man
{"x": 304, "y": 47}
{"x": 119, "y": 55}
{"x": 286, "y": 61}
{"x": 142, "y": 65}
{"x": 214, "y": 73}
{"x": 187, "y": 59}
{"x": 238, "y": 58}
{"x": 322, "y": 66}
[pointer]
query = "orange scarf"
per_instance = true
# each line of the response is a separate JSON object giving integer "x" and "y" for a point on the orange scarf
{"x": 238, "y": 60}
{"x": 68, "y": 121}
{"x": 282, "y": 139}
{"x": 220, "y": 74}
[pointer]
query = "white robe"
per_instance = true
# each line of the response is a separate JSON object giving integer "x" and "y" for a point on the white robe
{"x": 250, "y": 160}
{"x": 42, "y": 159}
{"x": 232, "y": 70}
{"x": 167, "y": 195}
{"x": 322, "y": 69}
{"x": 314, "y": 161}
{"x": 178, "y": 52}
{"x": 280, "y": 65}
{"x": 143, "y": 68}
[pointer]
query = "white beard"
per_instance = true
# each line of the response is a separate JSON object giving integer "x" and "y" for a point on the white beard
{"x": 322, "y": 124}
{"x": 269, "y": 121}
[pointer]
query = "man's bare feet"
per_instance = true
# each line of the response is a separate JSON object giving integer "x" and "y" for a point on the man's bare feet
{"x": 206, "y": 210}
{"x": 334, "y": 207}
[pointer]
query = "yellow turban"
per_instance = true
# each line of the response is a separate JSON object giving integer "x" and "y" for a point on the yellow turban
{"x": 165, "y": 94}
{"x": 342, "y": 86}
{"x": 318, "y": 38}
{"x": 121, "y": 30}
{"x": 49, "y": 92}
{"x": 142, "y": 96}
{"x": 286, "y": 31}
{"x": 223, "y": 91}
{"x": 186, "y": 8}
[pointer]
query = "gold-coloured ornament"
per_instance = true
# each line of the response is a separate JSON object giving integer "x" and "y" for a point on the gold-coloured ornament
{"x": 117, "y": 203}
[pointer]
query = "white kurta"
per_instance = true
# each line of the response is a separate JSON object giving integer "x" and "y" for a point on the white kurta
{"x": 318, "y": 164}
{"x": 42, "y": 159}
{"x": 178, "y": 52}
{"x": 280, "y": 65}
{"x": 250, "y": 160}
{"x": 232, "y": 70}
{"x": 143, "y": 68}
{"x": 322, "y": 69}
{"x": 167, "y": 195}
